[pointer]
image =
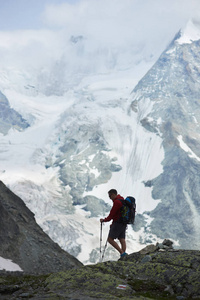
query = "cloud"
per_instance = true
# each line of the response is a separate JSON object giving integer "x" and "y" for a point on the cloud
{"x": 31, "y": 48}
{"x": 116, "y": 20}
{"x": 114, "y": 34}
{"x": 141, "y": 25}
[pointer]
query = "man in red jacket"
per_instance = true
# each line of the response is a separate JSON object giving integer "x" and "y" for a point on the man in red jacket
{"x": 117, "y": 229}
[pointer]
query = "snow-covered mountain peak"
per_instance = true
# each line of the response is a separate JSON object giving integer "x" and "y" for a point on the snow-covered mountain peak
{"x": 190, "y": 33}
{"x": 173, "y": 87}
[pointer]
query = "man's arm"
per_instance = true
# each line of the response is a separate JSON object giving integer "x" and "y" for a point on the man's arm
{"x": 113, "y": 212}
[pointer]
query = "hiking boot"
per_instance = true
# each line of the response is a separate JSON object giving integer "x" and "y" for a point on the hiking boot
{"x": 123, "y": 255}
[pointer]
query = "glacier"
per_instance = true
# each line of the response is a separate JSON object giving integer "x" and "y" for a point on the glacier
{"x": 44, "y": 176}
{"x": 89, "y": 131}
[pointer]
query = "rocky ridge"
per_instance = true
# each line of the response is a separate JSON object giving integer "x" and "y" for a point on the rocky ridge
{"x": 171, "y": 88}
{"x": 24, "y": 242}
{"x": 155, "y": 272}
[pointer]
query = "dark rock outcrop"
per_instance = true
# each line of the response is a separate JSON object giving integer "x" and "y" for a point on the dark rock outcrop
{"x": 24, "y": 242}
{"x": 156, "y": 272}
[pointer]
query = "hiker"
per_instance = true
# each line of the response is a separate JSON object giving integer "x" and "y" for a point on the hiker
{"x": 117, "y": 229}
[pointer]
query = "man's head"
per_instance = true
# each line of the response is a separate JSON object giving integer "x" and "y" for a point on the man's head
{"x": 112, "y": 194}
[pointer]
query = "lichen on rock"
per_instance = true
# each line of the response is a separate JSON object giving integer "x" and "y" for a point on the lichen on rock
{"x": 147, "y": 274}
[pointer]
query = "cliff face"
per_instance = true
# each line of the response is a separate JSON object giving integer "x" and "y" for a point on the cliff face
{"x": 24, "y": 242}
{"x": 156, "y": 272}
{"x": 171, "y": 87}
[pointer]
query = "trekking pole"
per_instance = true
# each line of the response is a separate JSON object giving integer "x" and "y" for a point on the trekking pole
{"x": 100, "y": 240}
{"x": 104, "y": 250}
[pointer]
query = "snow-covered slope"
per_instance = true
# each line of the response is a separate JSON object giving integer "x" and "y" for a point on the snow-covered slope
{"x": 8, "y": 265}
{"x": 190, "y": 33}
{"x": 86, "y": 135}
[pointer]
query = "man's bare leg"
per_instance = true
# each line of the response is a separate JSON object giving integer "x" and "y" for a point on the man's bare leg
{"x": 115, "y": 245}
{"x": 123, "y": 244}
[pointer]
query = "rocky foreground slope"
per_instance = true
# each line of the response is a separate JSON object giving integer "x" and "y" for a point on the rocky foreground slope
{"x": 155, "y": 272}
{"x": 24, "y": 242}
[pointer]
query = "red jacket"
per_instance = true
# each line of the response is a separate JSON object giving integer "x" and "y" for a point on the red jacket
{"x": 115, "y": 213}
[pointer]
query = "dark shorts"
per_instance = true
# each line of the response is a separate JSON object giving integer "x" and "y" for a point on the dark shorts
{"x": 117, "y": 231}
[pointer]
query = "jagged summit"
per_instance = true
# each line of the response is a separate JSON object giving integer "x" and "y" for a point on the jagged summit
{"x": 190, "y": 33}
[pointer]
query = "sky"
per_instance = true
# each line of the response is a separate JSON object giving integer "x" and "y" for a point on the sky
{"x": 33, "y": 14}
{"x": 23, "y": 14}
{"x": 120, "y": 17}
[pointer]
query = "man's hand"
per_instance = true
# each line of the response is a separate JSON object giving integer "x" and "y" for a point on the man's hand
{"x": 101, "y": 220}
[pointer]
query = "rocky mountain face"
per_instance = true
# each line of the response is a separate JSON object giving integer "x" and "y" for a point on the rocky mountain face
{"x": 24, "y": 242}
{"x": 9, "y": 118}
{"x": 156, "y": 272}
{"x": 172, "y": 88}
